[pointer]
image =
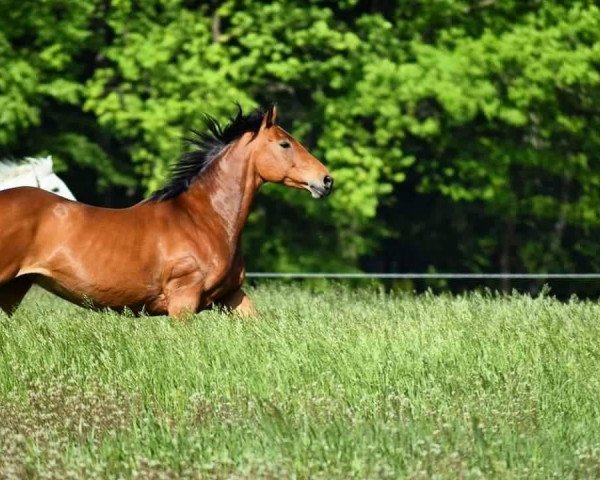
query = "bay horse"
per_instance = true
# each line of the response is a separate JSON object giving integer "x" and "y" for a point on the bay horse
{"x": 174, "y": 253}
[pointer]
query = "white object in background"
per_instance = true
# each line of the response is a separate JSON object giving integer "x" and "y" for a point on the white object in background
{"x": 34, "y": 172}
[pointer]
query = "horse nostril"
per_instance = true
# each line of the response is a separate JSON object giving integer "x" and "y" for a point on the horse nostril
{"x": 328, "y": 181}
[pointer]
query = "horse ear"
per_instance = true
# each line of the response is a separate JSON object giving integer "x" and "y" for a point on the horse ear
{"x": 273, "y": 114}
{"x": 269, "y": 117}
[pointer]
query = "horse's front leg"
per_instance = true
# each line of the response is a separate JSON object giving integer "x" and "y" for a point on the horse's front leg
{"x": 237, "y": 302}
{"x": 185, "y": 287}
{"x": 184, "y": 302}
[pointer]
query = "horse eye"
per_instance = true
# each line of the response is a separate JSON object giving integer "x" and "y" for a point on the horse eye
{"x": 284, "y": 144}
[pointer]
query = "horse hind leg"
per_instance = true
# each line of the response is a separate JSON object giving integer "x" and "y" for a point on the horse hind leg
{"x": 13, "y": 292}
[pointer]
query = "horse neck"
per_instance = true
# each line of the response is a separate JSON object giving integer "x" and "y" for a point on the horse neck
{"x": 227, "y": 188}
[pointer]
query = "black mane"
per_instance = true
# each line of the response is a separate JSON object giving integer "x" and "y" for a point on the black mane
{"x": 208, "y": 145}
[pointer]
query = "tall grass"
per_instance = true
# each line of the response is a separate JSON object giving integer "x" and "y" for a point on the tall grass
{"x": 340, "y": 384}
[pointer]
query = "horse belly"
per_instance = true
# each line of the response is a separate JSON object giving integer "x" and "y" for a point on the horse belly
{"x": 115, "y": 293}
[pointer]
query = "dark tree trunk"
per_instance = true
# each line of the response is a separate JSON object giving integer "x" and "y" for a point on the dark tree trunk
{"x": 508, "y": 241}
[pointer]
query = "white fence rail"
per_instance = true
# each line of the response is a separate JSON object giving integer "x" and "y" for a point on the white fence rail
{"x": 416, "y": 276}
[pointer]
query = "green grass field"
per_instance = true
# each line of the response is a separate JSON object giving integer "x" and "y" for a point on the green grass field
{"x": 340, "y": 384}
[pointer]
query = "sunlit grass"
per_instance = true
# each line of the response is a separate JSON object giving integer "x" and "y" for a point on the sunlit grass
{"x": 338, "y": 384}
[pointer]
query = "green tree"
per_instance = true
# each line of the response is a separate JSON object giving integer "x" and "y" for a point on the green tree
{"x": 46, "y": 53}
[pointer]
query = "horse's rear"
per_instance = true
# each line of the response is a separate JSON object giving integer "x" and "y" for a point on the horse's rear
{"x": 22, "y": 212}
{"x": 75, "y": 251}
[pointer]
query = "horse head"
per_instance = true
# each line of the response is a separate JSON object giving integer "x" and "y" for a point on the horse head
{"x": 278, "y": 157}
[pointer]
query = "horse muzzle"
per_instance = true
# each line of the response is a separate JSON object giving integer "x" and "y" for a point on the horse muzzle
{"x": 321, "y": 189}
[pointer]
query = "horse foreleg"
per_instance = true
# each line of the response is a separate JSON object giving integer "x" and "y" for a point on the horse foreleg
{"x": 183, "y": 302}
{"x": 238, "y": 303}
{"x": 12, "y": 293}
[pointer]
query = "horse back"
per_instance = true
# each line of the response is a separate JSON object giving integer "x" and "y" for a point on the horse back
{"x": 24, "y": 205}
